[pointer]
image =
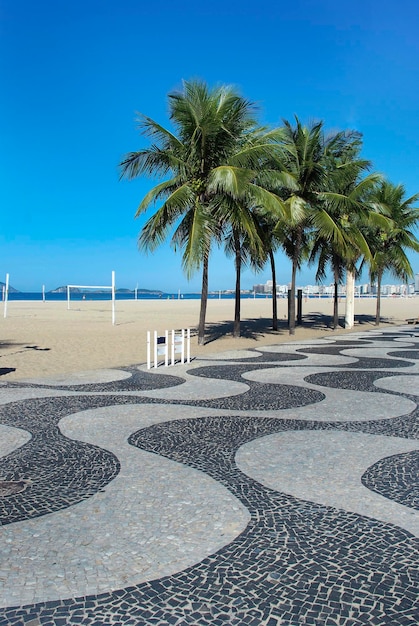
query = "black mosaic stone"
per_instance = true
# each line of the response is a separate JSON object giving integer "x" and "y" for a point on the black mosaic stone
{"x": 396, "y": 477}
{"x": 356, "y": 380}
{"x": 264, "y": 397}
{"x": 369, "y": 363}
{"x": 406, "y": 353}
{"x": 138, "y": 380}
{"x": 330, "y": 349}
{"x": 363, "y": 362}
{"x": 391, "y": 336}
{"x": 352, "y": 342}
{"x": 296, "y": 563}
{"x": 266, "y": 356}
{"x": 59, "y": 472}
{"x": 232, "y": 371}
{"x": 296, "y": 559}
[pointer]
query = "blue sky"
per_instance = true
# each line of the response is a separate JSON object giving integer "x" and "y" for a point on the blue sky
{"x": 73, "y": 75}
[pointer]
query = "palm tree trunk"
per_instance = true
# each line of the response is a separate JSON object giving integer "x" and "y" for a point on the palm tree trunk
{"x": 237, "y": 263}
{"x": 204, "y": 299}
{"x": 335, "y": 304}
{"x": 350, "y": 299}
{"x": 291, "y": 321}
{"x": 378, "y": 308}
{"x": 295, "y": 261}
{"x": 274, "y": 300}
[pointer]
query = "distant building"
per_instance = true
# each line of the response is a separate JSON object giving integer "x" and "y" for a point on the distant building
{"x": 365, "y": 289}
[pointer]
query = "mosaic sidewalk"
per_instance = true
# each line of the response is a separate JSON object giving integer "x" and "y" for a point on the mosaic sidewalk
{"x": 268, "y": 487}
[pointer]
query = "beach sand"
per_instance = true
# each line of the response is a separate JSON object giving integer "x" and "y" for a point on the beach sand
{"x": 41, "y": 339}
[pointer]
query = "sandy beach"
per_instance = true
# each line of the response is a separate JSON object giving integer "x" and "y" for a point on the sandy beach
{"x": 40, "y": 339}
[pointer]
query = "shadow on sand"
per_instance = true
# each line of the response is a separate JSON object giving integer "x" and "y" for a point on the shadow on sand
{"x": 256, "y": 328}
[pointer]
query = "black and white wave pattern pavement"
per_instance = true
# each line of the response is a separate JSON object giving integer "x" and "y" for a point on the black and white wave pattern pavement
{"x": 276, "y": 486}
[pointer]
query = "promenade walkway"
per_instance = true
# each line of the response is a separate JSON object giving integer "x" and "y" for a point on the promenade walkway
{"x": 268, "y": 487}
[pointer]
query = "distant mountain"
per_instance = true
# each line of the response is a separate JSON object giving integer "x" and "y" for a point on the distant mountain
{"x": 150, "y": 291}
{"x": 63, "y": 289}
{"x": 11, "y": 289}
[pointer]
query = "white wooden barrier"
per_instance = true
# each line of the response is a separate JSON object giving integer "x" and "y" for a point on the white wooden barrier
{"x": 179, "y": 343}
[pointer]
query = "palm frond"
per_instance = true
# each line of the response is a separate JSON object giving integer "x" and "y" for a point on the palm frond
{"x": 229, "y": 180}
{"x": 178, "y": 198}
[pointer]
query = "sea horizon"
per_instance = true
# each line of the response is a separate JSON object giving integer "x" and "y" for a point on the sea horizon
{"x": 36, "y": 296}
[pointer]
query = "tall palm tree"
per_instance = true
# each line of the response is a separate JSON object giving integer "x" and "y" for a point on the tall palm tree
{"x": 389, "y": 244}
{"x": 271, "y": 242}
{"x": 339, "y": 223}
{"x": 240, "y": 246}
{"x": 241, "y": 217}
{"x": 302, "y": 161}
{"x": 209, "y": 126}
{"x": 336, "y": 209}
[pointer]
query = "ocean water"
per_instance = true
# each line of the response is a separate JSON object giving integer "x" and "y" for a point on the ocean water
{"x": 103, "y": 296}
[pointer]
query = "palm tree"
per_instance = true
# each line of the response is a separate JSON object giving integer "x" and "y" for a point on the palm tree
{"x": 243, "y": 247}
{"x": 337, "y": 210}
{"x": 267, "y": 224}
{"x": 240, "y": 217}
{"x": 302, "y": 162}
{"x": 389, "y": 245}
{"x": 339, "y": 222}
{"x": 209, "y": 126}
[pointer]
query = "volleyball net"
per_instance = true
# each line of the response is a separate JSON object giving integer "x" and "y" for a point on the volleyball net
{"x": 93, "y": 287}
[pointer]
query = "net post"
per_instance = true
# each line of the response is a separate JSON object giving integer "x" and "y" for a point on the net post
{"x": 113, "y": 298}
{"x": 6, "y": 296}
{"x": 188, "y": 345}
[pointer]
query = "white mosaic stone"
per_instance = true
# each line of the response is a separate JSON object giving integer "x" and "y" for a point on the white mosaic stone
{"x": 402, "y": 384}
{"x": 11, "y": 439}
{"x": 326, "y": 467}
{"x": 155, "y": 518}
{"x": 80, "y": 378}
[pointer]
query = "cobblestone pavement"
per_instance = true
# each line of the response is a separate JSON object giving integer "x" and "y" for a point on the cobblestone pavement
{"x": 276, "y": 486}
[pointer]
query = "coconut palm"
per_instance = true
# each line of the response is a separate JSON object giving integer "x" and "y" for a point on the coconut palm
{"x": 302, "y": 161}
{"x": 341, "y": 217}
{"x": 267, "y": 225}
{"x": 389, "y": 244}
{"x": 241, "y": 217}
{"x": 244, "y": 249}
{"x": 209, "y": 129}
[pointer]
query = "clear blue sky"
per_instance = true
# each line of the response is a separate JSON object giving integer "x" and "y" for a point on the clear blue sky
{"x": 73, "y": 75}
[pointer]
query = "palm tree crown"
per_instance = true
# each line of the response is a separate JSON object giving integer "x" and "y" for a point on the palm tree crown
{"x": 389, "y": 244}
{"x": 209, "y": 160}
{"x": 224, "y": 179}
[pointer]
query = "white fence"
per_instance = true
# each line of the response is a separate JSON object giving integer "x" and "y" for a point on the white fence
{"x": 175, "y": 342}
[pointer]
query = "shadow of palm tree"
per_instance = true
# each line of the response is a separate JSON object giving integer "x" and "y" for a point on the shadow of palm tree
{"x": 256, "y": 328}
{"x": 6, "y": 370}
{"x": 6, "y": 344}
{"x": 318, "y": 321}
{"x": 253, "y": 328}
